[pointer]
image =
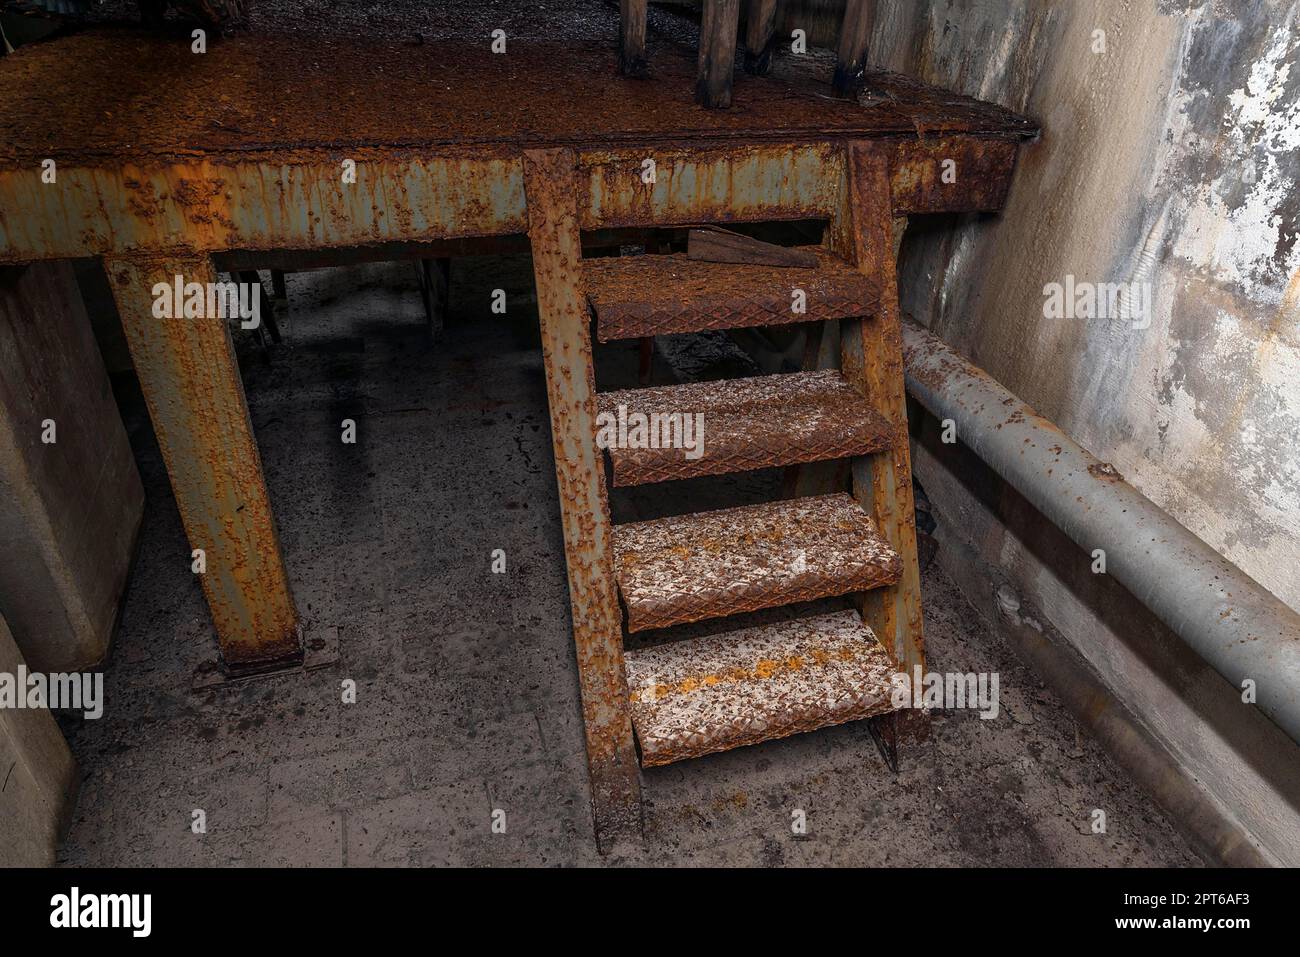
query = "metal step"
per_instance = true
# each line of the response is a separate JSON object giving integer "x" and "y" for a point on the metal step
{"x": 651, "y": 295}
{"x": 690, "y": 567}
{"x": 691, "y": 698}
{"x": 744, "y": 424}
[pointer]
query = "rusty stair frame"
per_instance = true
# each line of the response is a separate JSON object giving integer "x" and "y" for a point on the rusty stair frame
{"x": 860, "y": 231}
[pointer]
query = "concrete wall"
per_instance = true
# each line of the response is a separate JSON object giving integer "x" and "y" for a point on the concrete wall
{"x": 1169, "y": 158}
{"x": 37, "y": 774}
{"x": 69, "y": 509}
{"x": 1173, "y": 157}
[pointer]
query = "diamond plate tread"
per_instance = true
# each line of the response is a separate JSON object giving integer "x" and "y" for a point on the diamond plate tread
{"x": 690, "y": 567}
{"x": 752, "y": 423}
{"x": 652, "y": 295}
{"x": 695, "y": 697}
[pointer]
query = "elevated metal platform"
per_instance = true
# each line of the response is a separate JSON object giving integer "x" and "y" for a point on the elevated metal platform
{"x": 243, "y": 147}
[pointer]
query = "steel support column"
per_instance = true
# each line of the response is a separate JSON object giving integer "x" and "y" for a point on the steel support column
{"x": 191, "y": 383}
{"x": 550, "y": 185}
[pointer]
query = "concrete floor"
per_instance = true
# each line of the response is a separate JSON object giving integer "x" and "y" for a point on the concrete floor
{"x": 467, "y": 697}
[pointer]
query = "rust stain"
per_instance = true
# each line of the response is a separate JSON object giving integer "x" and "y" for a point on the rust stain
{"x": 1105, "y": 471}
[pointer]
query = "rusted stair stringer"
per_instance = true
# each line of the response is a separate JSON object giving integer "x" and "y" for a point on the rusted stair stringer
{"x": 551, "y": 191}
{"x": 871, "y": 357}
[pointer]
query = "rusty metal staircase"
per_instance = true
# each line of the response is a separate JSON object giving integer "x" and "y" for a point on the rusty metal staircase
{"x": 686, "y": 698}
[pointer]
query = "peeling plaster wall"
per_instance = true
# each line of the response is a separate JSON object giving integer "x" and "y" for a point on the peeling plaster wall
{"x": 1173, "y": 157}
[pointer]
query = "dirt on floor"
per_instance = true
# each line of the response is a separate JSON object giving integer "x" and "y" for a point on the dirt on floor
{"x": 466, "y": 709}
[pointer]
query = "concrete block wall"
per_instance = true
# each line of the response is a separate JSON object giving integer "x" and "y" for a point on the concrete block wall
{"x": 71, "y": 507}
{"x": 37, "y": 776}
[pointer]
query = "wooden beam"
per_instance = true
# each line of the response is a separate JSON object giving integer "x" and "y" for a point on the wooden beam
{"x": 40, "y": 782}
{"x": 717, "y": 61}
{"x": 760, "y": 36}
{"x": 190, "y": 379}
{"x": 718, "y": 245}
{"x": 631, "y": 37}
{"x": 855, "y": 37}
{"x": 871, "y": 357}
{"x": 551, "y": 189}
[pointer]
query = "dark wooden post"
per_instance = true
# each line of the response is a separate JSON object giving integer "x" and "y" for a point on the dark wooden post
{"x": 760, "y": 36}
{"x": 717, "y": 53}
{"x": 855, "y": 35}
{"x": 631, "y": 45}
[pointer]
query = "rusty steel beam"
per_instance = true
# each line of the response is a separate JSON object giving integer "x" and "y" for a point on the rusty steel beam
{"x": 768, "y": 182}
{"x": 551, "y": 187}
{"x": 871, "y": 358}
{"x": 214, "y": 207}
{"x": 703, "y": 183}
{"x": 190, "y": 379}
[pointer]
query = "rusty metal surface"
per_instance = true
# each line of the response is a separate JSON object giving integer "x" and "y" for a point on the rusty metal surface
{"x": 191, "y": 384}
{"x": 246, "y": 203}
{"x": 695, "y": 697}
{"x": 703, "y": 183}
{"x": 653, "y": 295}
{"x": 241, "y": 148}
{"x": 690, "y": 567}
{"x": 98, "y": 96}
{"x": 752, "y": 423}
{"x": 584, "y": 506}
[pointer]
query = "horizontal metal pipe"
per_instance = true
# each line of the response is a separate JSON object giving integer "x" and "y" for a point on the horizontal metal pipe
{"x": 1242, "y": 630}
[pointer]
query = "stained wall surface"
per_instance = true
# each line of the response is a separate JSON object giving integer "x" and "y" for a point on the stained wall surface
{"x": 1168, "y": 159}
{"x": 1170, "y": 156}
